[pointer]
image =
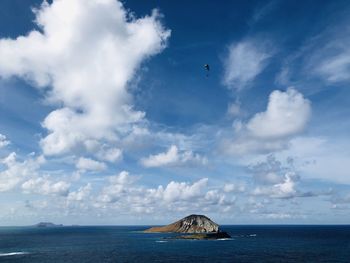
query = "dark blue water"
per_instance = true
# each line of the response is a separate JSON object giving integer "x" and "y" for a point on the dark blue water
{"x": 128, "y": 244}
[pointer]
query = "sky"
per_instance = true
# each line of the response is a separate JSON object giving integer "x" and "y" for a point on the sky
{"x": 108, "y": 116}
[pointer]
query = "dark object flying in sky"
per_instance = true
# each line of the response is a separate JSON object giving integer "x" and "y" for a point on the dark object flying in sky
{"x": 207, "y": 68}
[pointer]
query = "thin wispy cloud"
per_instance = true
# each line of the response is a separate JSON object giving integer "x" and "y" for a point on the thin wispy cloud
{"x": 323, "y": 58}
{"x": 245, "y": 61}
{"x": 263, "y": 11}
{"x": 332, "y": 62}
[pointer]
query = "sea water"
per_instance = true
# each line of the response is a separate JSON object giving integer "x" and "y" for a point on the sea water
{"x": 130, "y": 244}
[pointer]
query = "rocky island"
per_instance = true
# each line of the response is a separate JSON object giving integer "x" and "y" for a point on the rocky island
{"x": 194, "y": 227}
{"x": 47, "y": 224}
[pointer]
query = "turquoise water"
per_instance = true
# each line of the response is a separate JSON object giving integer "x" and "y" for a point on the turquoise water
{"x": 129, "y": 244}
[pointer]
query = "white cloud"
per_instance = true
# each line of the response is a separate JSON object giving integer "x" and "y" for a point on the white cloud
{"x": 81, "y": 194}
{"x": 285, "y": 189}
{"x": 161, "y": 159}
{"x": 262, "y": 11}
{"x": 234, "y": 109}
{"x": 278, "y": 215}
{"x": 230, "y": 188}
{"x": 185, "y": 196}
{"x": 245, "y": 61}
{"x": 182, "y": 191}
{"x": 270, "y": 171}
{"x": 274, "y": 179}
{"x": 324, "y": 58}
{"x": 287, "y": 114}
{"x": 335, "y": 68}
{"x": 45, "y": 186}
{"x": 330, "y": 56}
{"x": 321, "y": 158}
{"x": 244, "y": 144}
{"x": 110, "y": 155}
{"x": 118, "y": 186}
{"x": 215, "y": 197}
{"x": 123, "y": 178}
{"x": 3, "y": 141}
{"x": 87, "y": 164}
{"x": 15, "y": 171}
{"x": 123, "y": 194}
{"x": 83, "y": 56}
{"x": 173, "y": 157}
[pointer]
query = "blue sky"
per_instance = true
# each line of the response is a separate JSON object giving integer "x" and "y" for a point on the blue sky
{"x": 107, "y": 115}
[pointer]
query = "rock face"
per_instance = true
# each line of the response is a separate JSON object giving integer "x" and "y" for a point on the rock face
{"x": 204, "y": 236}
{"x": 189, "y": 224}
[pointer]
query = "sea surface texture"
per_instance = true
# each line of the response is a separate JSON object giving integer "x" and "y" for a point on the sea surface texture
{"x": 129, "y": 244}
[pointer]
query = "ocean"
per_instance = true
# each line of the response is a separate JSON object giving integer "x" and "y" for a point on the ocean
{"x": 128, "y": 244}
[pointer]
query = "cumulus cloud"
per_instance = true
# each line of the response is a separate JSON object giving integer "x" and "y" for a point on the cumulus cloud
{"x": 16, "y": 171}
{"x": 287, "y": 113}
{"x": 123, "y": 178}
{"x": 83, "y": 56}
{"x": 123, "y": 194}
{"x": 216, "y": 198}
{"x": 276, "y": 180}
{"x": 45, "y": 186}
{"x": 3, "y": 141}
{"x": 173, "y": 157}
{"x": 87, "y": 164}
{"x": 81, "y": 194}
{"x": 230, "y": 188}
{"x": 270, "y": 171}
{"x": 245, "y": 61}
{"x": 118, "y": 186}
{"x": 181, "y": 191}
{"x": 110, "y": 155}
{"x": 285, "y": 189}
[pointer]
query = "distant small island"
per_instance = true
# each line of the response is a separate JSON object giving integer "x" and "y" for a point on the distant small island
{"x": 47, "y": 224}
{"x": 194, "y": 226}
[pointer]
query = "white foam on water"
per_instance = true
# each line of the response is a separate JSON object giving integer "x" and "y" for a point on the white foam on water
{"x": 161, "y": 241}
{"x": 12, "y": 254}
{"x": 224, "y": 239}
{"x": 252, "y": 235}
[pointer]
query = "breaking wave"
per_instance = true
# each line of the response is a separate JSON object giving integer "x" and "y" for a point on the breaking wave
{"x": 12, "y": 254}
